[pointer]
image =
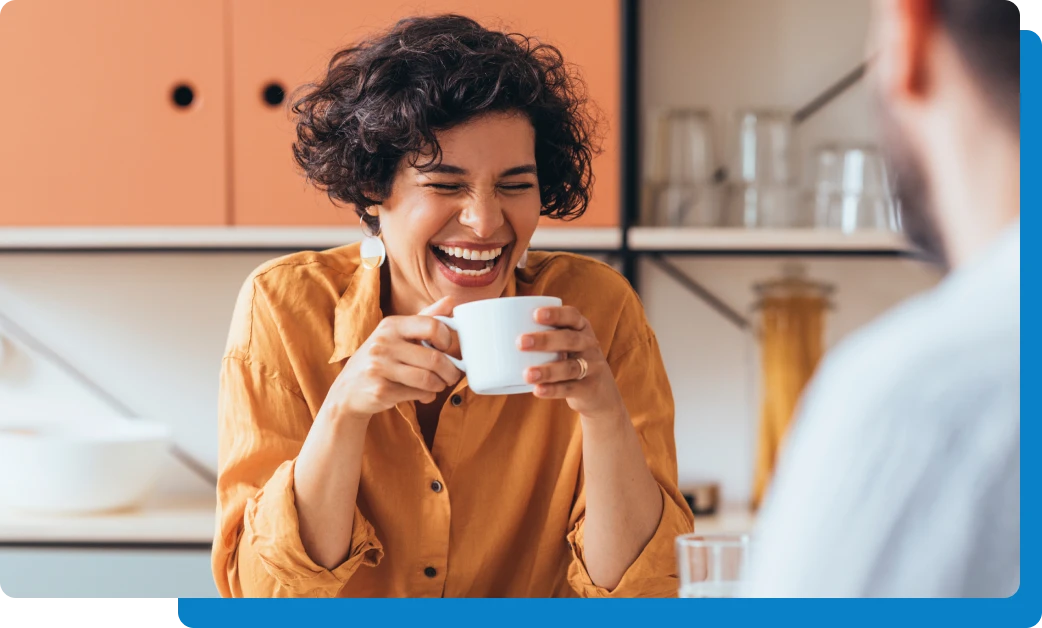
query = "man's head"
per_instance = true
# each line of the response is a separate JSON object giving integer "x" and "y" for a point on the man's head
{"x": 947, "y": 76}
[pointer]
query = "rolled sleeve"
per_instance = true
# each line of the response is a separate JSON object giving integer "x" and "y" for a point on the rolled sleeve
{"x": 646, "y": 577}
{"x": 271, "y": 542}
{"x": 257, "y": 548}
{"x": 644, "y": 385}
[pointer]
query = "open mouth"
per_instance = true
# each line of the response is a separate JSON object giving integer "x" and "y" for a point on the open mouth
{"x": 468, "y": 262}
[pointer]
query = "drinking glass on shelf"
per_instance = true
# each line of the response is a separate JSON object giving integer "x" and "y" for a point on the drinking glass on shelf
{"x": 712, "y": 565}
{"x": 761, "y": 175}
{"x": 680, "y": 163}
{"x": 852, "y": 190}
{"x": 762, "y": 148}
{"x": 755, "y": 206}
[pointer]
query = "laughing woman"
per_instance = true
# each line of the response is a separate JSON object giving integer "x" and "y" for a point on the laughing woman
{"x": 354, "y": 461}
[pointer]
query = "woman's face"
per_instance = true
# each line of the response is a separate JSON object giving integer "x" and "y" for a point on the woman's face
{"x": 459, "y": 229}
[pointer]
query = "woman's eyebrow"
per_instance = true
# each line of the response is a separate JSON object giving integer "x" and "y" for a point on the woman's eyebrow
{"x": 450, "y": 169}
{"x": 443, "y": 169}
{"x": 527, "y": 169}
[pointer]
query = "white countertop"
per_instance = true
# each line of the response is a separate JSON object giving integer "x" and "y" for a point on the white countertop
{"x": 172, "y": 519}
{"x": 727, "y": 520}
{"x": 190, "y": 520}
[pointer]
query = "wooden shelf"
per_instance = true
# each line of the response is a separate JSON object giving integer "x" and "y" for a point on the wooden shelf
{"x": 252, "y": 238}
{"x": 593, "y": 239}
{"x": 764, "y": 240}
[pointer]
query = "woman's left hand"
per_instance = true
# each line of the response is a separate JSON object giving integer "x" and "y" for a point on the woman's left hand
{"x": 596, "y": 395}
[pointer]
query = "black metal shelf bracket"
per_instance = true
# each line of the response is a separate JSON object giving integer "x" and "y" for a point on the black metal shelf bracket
{"x": 831, "y": 93}
{"x": 716, "y": 303}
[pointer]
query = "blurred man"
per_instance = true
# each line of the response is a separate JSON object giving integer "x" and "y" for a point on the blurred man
{"x": 902, "y": 475}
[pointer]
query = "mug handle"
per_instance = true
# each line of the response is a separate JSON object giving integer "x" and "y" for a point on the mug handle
{"x": 451, "y": 324}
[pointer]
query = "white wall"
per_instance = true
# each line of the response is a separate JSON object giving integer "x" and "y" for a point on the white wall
{"x": 151, "y": 327}
{"x": 722, "y": 56}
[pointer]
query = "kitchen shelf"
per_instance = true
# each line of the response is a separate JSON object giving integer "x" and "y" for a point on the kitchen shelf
{"x": 170, "y": 521}
{"x": 18, "y": 239}
{"x": 641, "y": 240}
{"x": 764, "y": 241}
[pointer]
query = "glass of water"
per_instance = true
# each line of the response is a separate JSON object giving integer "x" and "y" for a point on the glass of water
{"x": 712, "y": 565}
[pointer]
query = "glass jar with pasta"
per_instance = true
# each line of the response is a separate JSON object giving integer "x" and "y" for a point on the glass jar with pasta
{"x": 791, "y": 328}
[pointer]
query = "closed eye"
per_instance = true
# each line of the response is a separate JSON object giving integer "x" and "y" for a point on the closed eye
{"x": 444, "y": 187}
{"x": 515, "y": 187}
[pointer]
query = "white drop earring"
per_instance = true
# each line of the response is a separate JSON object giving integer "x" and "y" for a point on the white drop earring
{"x": 523, "y": 261}
{"x": 372, "y": 249}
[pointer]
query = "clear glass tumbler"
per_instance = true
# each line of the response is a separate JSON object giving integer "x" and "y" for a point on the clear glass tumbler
{"x": 712, "y": 565}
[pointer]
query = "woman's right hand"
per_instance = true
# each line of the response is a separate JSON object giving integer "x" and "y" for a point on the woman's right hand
{"x": 391, "y": 366}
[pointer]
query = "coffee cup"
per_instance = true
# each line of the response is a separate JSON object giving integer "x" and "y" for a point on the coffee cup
{"x": 488, "y": 331}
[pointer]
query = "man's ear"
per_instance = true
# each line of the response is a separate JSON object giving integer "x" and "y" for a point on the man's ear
{"x": 904, "y": 33}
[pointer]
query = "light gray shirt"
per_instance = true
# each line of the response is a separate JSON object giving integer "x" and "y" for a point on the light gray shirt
{"x": 901, "y": 477}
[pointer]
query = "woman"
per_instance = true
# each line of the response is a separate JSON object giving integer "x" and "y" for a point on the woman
{"x": 354, "y": 461}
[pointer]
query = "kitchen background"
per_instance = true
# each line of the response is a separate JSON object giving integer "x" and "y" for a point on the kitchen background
{"x": 148, "y": 323}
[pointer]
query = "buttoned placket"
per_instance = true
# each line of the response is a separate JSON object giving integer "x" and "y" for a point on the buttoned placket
{"x": 436, "y": 507}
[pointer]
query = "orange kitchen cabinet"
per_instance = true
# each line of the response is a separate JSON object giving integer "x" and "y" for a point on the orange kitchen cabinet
{"x": 289, "y": 43}
{"x": 90, "y": 133}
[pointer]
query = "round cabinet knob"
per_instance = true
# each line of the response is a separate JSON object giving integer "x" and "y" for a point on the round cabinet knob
{"x": 273, "y": 94}
{"x": 183, "y": 96}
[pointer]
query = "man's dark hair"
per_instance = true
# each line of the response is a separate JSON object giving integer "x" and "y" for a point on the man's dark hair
{"x": 385, "y": 99}
{"x": 987, "y": 35}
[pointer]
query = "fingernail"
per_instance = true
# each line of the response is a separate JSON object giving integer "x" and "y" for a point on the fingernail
{"x": 543, "y": 315}
{"x": 534, "y": 376}
{"x": 527, "y": 342}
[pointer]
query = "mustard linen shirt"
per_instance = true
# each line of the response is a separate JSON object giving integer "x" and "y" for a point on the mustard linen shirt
{"x": 508, "y": 520}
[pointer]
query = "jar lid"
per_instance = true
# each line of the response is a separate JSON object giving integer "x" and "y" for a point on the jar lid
{"x": 793, "y": 283}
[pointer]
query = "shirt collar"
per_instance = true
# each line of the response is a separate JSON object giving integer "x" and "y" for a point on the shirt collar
{"x": 358, "y": 310}
{"x": 357, "y": 313}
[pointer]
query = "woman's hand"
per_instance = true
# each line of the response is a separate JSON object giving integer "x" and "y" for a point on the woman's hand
{"x": 596, "y": 395}
{"x": 391, "y": 366}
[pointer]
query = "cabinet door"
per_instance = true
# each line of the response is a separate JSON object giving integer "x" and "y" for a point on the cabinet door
{"x": 289, "y": 43}
{"x": 90, "y": 133}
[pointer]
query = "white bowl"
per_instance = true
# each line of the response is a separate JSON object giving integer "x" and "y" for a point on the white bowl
{"x": 84, "y": 467}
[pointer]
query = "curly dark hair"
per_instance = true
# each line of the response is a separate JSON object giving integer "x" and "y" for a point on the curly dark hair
{"x": 385, "y": 98}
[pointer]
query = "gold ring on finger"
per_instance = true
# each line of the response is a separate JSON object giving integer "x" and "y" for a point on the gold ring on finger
{"x": 584, "y": 368}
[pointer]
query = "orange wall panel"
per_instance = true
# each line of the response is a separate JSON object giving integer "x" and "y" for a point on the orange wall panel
{"x": 291, "y": 41}
{"x": 89, "y": 132}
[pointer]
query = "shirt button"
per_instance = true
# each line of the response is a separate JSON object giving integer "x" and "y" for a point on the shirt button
{"x": 430, "y": 572}
{"x": 456, "y": 401}
{"x": 436, "y": 486}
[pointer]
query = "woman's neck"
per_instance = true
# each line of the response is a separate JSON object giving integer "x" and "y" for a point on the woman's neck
{"x": 396, "y": 299}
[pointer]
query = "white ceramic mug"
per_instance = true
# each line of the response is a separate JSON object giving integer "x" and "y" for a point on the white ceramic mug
{"x": 488, "y": 331}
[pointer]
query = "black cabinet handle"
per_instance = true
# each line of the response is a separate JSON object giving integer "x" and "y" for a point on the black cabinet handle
{"x": 183, "y": 96}
{"x": 273, "y": 94}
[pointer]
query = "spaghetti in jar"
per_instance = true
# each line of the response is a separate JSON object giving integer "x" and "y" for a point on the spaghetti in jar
{"x": 792, "y": 313}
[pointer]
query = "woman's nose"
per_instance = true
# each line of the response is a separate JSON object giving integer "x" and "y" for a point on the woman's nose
{"x": 483, "y": 214}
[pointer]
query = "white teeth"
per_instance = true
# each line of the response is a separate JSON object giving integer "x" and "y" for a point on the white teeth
{"x": 470, "y": 273}
{"x": 469, "y": 254}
